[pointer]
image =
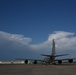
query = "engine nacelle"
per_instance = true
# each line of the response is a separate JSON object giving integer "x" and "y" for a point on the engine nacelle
{"x": 26, "y": 61}
{"x": 59, "y": 61}
{"x": 70, "y": 60}
{"x": 35, "y": 62}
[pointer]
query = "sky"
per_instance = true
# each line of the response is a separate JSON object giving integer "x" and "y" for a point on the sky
{"x": 27, "y": 28}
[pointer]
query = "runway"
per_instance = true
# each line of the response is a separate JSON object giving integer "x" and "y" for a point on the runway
{"x": 37, "y": 69}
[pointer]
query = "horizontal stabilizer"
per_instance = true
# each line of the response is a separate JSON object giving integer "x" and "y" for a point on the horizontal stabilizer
{"x": 61, "y": 55}
{"x": 54, "y": 56}
{"x": 46, "y": 55}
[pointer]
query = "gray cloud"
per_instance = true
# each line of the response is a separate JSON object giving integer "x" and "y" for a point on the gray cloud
{"x": 16, "y": 45}
{"x": 64, "y": 40}
{"x": 14, "y": 38}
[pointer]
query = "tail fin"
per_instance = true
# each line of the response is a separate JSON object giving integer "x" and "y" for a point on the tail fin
{"x": 53, "y": 48}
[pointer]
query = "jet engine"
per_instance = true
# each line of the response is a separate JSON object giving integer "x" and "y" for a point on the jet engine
{"x": 35, "y": 62}
{"x": 59, "y": 61}
{"x": 26, "y": 61}
{"x": 70, "y": 60}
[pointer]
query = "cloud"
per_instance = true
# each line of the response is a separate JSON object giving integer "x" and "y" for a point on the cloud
{"x": 59, "y": 35}
{"x": 64, "y": 40}
{"x": 17, "y": 45}
{"x": 14, "y": 38}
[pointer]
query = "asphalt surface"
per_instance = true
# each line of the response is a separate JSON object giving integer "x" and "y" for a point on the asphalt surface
{"x": 37, "y": 69}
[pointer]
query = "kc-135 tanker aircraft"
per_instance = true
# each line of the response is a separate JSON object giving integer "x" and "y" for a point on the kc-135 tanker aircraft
{"x": 49, "y": 58}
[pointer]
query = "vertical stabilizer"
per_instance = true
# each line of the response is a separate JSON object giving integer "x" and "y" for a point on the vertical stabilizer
{"x": 53, "y": 48}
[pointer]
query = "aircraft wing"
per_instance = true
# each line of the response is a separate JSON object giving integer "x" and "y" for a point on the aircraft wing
{"x": 29, "y": 59}
{"x": 70, "y": 60}
{"x": 65, "y": 59}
